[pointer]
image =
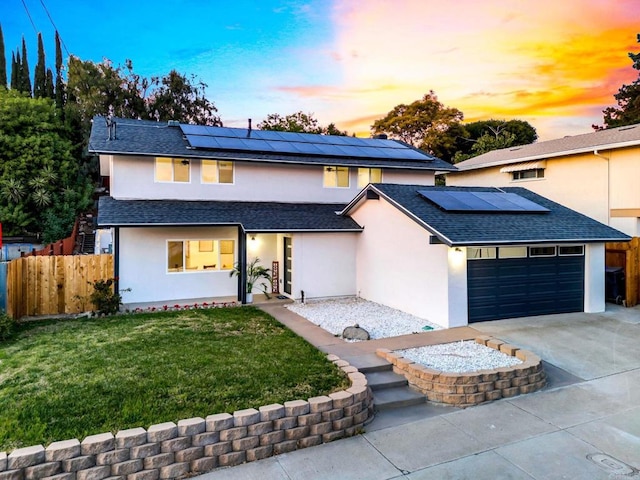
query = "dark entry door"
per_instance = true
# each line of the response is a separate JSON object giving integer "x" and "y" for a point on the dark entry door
{"x": 520, "y": 287}
{"x": 288, "y": 264}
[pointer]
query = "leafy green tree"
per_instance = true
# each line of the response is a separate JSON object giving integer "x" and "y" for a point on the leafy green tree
{"x": 39, "y": 178}
{"x": 628, "y": 98}
{"x": 299, "y": 122}
{"x": 40, "y": 77}
{"x": 486, "y": 135}
{"x": 426, "y": 124}
{"x": 3, "y": 61}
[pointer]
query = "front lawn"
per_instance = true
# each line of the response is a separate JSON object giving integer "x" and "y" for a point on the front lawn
{"x": 72, "y": 378}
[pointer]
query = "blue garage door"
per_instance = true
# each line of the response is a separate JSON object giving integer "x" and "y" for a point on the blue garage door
{"x": 519, "y": 287}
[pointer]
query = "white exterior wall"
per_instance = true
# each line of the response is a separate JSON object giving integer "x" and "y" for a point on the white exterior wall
{"x": 398, "y": 267}
{"x": 264, "y": 247}
{"x": 594, "y": 278}
{"x": 133, "y": 178}
{"x": 324, "y": 264}
{"x": 143, "y": 266}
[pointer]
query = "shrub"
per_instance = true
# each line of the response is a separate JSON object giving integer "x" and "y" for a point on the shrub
{"x": 106, "y": 300}
{"x": 6, "y": 325}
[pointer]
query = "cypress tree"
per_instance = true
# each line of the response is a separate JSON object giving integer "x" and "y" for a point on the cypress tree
{"x": 15, "y": 71}
{"x": 25, "y": 79}
{"x": 49, "y": 91}
{"x": 3, "y": 61}
{"x": 40, "y": 76}
{"x": 60, "y": 95}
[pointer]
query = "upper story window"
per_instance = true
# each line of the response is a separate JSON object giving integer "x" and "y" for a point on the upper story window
{"x": 173, "y": 170}
{"x": 336, "y": 177}
{"x": 200, "y": 255}
{"x": 528, "y": 174}
{"x": 369, "y": 175}
{"x": 216, "y": 171}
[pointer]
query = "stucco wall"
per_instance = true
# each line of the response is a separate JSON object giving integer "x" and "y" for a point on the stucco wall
{"x": 133, "y": 178}
{"x": 594, "y": 278}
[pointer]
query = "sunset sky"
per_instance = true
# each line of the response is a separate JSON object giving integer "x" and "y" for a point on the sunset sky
{"x": 554, "y": 63}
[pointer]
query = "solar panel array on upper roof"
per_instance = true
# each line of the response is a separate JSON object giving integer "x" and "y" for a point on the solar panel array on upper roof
{"x": 267, "y": 141}
{"x": 454, "y": 201}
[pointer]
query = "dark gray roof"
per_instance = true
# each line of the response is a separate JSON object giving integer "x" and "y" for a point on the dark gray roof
{"x": 620, "y": 137}
{"x": 147, "y": 138}
{"x": 253, "y": 216}
{"x": 559, "y": 225}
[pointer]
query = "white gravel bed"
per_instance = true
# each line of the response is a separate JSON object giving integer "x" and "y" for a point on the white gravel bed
{"x": 334, "y": 315}
{"x": 459, "y": 357}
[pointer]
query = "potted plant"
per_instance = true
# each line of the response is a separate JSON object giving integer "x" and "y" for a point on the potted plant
{"x": 255, "y": 273}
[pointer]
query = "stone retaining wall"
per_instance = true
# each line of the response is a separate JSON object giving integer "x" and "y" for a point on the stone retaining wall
{"x": 198, "y": 445}
{"x": 466, "y": 389}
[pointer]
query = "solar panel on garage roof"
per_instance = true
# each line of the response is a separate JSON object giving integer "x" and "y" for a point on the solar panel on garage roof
{"x": 481, "y": 202}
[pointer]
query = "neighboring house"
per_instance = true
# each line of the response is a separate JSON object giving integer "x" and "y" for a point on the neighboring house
{"x": 455, "y": 255}
{"x": 188, "y": 202}
{"x": 595, "y": 173}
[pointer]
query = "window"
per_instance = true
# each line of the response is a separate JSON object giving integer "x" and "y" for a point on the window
{"x": 369, "y": 175}
{"x": 173, "y": 170}
{"x": 512, "y": 252}
{"x": 216, "y": 171}
{"x": 571, "y": 250}
{"x": 542, "y": 251}
{"x": 478, "y": 253}
{"x": 528, "y": 174}
{"x": 200, "y": 255}
{"x": 336, "y": 177}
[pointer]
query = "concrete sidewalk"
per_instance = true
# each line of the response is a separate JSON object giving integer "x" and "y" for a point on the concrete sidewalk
{"x": 587, "y": 427}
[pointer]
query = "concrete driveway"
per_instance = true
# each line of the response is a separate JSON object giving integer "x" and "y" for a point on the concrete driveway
{"x": 585, "y": 425}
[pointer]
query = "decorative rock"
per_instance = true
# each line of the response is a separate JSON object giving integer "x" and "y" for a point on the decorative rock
{"x": 64, "y": 450}
{"x": 355, "y": 333}
{"x": 25, "y": 457}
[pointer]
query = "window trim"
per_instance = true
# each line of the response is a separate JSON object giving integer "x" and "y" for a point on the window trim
{"x": 539, "y": 175}
{"x": 554, "y": 254}
{"x": 173, "y": 170}
{"x": 560, "y": 254}
{"x": 216, "y": 248}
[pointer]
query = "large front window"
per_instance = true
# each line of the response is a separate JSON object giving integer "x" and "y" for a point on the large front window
{"x": 200, "y": 255}
{"x": 336, "y": 177}
{"x": 173, "y": 170}
{"x": 369, "y": 175}
{"x": 217, "y": 171}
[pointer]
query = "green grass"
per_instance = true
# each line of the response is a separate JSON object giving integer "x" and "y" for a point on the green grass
{"x": 72, "y": 378}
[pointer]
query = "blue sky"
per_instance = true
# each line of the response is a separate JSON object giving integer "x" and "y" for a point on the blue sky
{"x": 553, "y": 63}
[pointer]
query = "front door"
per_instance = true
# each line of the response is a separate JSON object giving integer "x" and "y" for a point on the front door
{"x": 288, "y": 264}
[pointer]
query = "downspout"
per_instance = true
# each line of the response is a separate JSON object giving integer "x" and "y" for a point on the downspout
{"x": 597, "y": 154}
{"x": 116, "y": 259}
{"x": 242, "y": 265}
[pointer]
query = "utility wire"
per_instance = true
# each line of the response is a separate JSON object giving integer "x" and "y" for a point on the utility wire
{"x": 54, "y": 26}
{"x": 30, "y": 19}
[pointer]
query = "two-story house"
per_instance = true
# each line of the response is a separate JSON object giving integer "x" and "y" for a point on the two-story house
{"x": 334, "y": 216}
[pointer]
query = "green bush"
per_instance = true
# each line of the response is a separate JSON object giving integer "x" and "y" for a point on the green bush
{"x": 6, "y": 325}
{"x": 106, "y": 300}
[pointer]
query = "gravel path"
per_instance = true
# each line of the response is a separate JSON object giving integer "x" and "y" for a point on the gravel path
{"x": 379, "y": 320}
{"x": 459, "y": 357}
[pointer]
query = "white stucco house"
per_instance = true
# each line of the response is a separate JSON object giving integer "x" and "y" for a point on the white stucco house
{"x": 334, "y": 216}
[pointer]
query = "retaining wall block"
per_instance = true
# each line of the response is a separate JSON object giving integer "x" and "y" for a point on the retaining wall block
{"x": 244, "y": 444}
{"x": 158, "y": 461}
{"x": 271, "y": 412}
{"x": 260, "y": 428}
{"x": 217, "y": 449}
{"x": 219, "y": 422}
{"x": 310, "y": 419}
{"x": 310, "y": 441}
{"x": 296, "y": 433}
{"x": 95, "y": 473}
{"x": 233, "y": 434}
{"x": 510, "y": 392}
{"x": 174, "y": 471}
{"x": 466, "y": 389}
{"x": 175, "y": 444}
{"x": 483, "y": 339}
{"x": 332, "y": 358}
{"x": 116, "y": 477}
{"x": 523, "y": 354}
{"x": 285, "y": 423}
{"x": 189, "y": 454}
{"x": 360, "y": 393}
{"x": 343, "y": 423}
{"x": 131, "y": 437}
{"x": 361, "y": 417}
{"x": 333, "y": 414}
{"x": 494, "y": 343}
{"x": 536, "y": 377}
{"x": 114, "y": 456}
{"x": 502, "y": 384}
{"x": 231, "y": 459}
{"x": 79, "y": 463}
{"x": 488, "y": 375}
{"x": 206, "y": 438}
{"x": 320, "y": 428}
{"x": 285, "y": 447}
{"x": 320, "y": 404}
{"x": 493, "y": 395}
{"x": 3, "y": 461}
{"x": 94, "y": 444}
{"x": 144, "y": 475}
{"x": 475, "y": 398}
{"x": 61, "y": 476}
{"x": 341, "y": 363}
{"x": 295, "y": 408}
{"x": 128, "y": 467}
{"x": 353, "y": 409}
{"x": 429, "y": 374}
{"x": 433, "y": 397}
{"x": 509, "y": 349}
{"x": 243, "y": 418}
{"x": 341, "y": 399}
{"x": 505, "y": 373}
{"x": 25, "y": 457}
{"x": 144, "y": 451}
{"x": 519, "y": 381}
{"x": 444, "y": 388}
{"x": 59, "y": 451}
{"x": 331, "y": 436}
{"x": 191, "y": 426}
{"x": 528, "y": 388}
{"x": 162, "y": 432}
{"x": 204, "y": 464}
{"x": 42, "y": 470}
{"x": 454, "y": 398}
{"x": 485, "y": 386}
{"x": 349, "y": 369}
{"x": 272, "y": 437}
{"x": 259, "y": 453}
{"x": 12, "y": 475}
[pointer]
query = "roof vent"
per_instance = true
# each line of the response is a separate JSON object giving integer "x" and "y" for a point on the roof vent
{"x": 380, "y": 136}
{"x": 249, "y": 128}
{"x": 111, "y": 128}
{"x": 173, "y": 123}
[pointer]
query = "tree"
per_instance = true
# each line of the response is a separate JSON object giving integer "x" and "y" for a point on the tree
{"x": 486, "y": 135}
{"x": 298, "y": 122}
{"x": 40, "y": 77}
{"x": 59, "y": 86}
{"x": 24, "y": 74}
{"x": 628, "y": 98}
{"x": 15, "y": 70}
{"x": 426, "y": 124}
{"x": 3, "y": 61}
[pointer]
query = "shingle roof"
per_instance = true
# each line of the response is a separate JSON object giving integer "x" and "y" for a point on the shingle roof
{"x": 141, "y": 137}
{"x": 602, "y": 140}
{"x": 560, "y": 224}
{"x": 253, "y": 216}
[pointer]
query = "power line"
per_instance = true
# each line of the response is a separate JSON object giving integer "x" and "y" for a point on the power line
{"x": 30, "y": 19}
{"x": 54, "y": 26}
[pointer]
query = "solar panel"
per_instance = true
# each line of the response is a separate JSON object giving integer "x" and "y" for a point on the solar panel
{"x": 480, "y": 202}
{"x": 202, "y": 141}
{"x": 194, "y": 129}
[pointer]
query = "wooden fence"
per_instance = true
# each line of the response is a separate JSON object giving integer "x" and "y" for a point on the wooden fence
{"x": 627, "y": 255}
{"x": 50, "y": 285}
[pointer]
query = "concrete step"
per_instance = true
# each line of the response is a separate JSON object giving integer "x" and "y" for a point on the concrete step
{"x": 368, "y": 363}
{"x": 398, "y": 397}
{"x": 384, "y": 380}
